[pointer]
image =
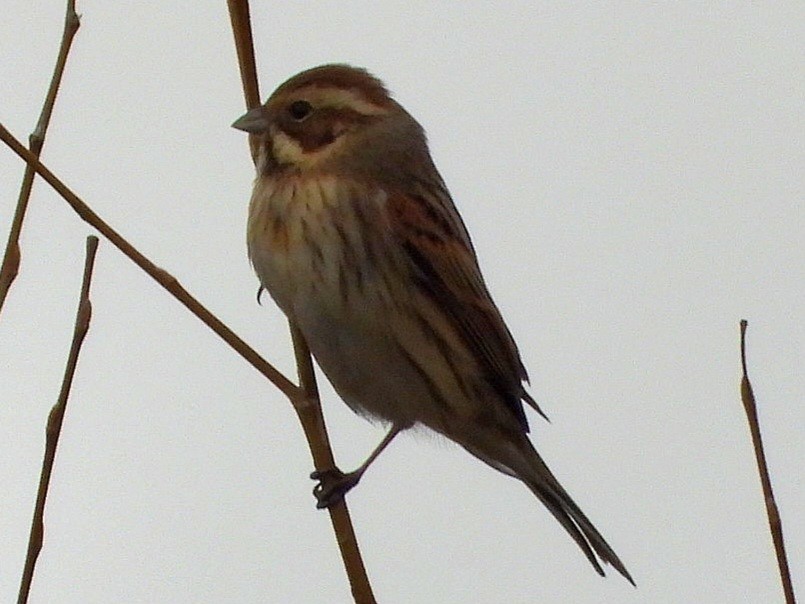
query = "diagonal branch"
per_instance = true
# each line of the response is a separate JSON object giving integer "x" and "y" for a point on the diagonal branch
{"x": 775, "y": 524}
{"x": 55, "y": 420}
{"x": 159, "y": 275}
{"x": 11, "y": 258}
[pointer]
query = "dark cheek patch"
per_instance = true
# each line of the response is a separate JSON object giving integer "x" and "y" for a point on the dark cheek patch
{"x": 313, "y": 136}
{"x": 324, "y": 140}
{"x": 322, "y": 128}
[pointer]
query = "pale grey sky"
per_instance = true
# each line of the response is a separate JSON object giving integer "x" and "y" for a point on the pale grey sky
{"x": 632, "y": 176}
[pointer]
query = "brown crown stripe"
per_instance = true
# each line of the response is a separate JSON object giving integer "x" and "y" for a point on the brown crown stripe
{"x": 339, "y": 76}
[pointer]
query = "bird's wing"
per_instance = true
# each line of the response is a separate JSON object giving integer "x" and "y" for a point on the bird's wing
{"x": 444, "y": 266}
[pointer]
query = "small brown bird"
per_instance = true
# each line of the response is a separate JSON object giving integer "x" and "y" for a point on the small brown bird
{"x": 353, "y": 233}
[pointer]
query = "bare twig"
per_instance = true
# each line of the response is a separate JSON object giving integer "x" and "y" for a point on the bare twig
{"x": 775, "y": 524}
{"x": 162, "y": 277}
{"x": 244, "y": 46}
{"x": 310, "y": 414}
{"x": 12, "y": 255}
{"x": 54, "y": 424}
{"x": 316, "y": 433}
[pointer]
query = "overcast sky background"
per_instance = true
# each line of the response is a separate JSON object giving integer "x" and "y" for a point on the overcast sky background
{"x": 632, "y": 176}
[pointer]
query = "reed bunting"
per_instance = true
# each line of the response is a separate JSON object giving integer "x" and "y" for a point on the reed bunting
{"x": 353, "y": 233}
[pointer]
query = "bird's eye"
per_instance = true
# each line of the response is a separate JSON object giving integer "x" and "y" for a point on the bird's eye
{"x": 299, "y": 110}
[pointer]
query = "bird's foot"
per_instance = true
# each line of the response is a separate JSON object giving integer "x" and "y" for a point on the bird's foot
{"x": 333, "y": 485}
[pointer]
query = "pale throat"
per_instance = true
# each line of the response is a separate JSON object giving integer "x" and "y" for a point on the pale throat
{"x": 291, "y": 197}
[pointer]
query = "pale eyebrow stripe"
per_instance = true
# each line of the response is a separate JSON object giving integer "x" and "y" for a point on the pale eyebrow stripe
{"x": 342, "y": 97}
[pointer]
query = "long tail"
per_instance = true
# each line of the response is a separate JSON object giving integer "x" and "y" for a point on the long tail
{"x": 545, "y": 486}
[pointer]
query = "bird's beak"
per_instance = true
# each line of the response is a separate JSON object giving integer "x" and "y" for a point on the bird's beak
{"x": 254, "y": 121}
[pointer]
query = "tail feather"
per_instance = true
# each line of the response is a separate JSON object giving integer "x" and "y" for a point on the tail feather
{"x": 575, "y": 522}
{"x": 556, "y": 508}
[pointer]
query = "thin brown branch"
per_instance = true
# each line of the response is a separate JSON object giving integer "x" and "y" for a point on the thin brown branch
{"x": 11, "y": 258}
{"x": 162, "y": 277}
{"x": 316, "y": 433}
{"x": 244, "y": 46}
{"x": 55, "y": 420}
{"x": 775, "y": 524}
{"x": 309, "y": 413}
{"x": 242, "y": 29}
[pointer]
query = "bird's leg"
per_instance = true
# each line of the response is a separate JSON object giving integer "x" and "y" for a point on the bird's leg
{"x": 334, "y": 484}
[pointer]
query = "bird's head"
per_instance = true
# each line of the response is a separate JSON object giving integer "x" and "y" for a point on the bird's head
{"x": 333, "y": 118}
